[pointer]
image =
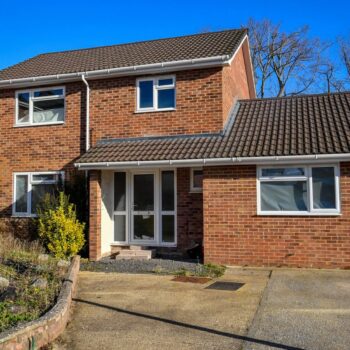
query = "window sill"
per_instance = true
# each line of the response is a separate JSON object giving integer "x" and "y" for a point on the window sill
{"x": 196, "y": 191}
{"x": 299, "y": 214}
{"x": 143, "y": 244}
{"x": 24, "y": 216}
{"x": 37, "y": 124}
{"x": 155, "y": 110}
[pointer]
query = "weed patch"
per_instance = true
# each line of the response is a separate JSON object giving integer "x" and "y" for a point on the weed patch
{"x": 206, "y": 270}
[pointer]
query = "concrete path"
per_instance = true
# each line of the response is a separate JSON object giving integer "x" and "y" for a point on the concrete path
{"x": 304, "y": 309}
{"x": 129, "y": 311}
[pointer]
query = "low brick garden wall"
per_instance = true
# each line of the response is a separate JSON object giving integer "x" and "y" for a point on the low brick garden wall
{"x": 38, "y": 333}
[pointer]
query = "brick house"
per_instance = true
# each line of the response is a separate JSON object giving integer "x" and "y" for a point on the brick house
{"x": 177, "y": 150}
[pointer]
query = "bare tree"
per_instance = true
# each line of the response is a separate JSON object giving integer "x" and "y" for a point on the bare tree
{"x": 259, "y": 35}
{"x": 283, "y": 60}
{"x": 345, "y": 54}
{"x": 329, "y": 77}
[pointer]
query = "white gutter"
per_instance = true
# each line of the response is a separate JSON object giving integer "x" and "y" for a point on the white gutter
{"x": 87, "y": 129}
{"x": 205, "y": 62}
{"x": 319, "y": 158}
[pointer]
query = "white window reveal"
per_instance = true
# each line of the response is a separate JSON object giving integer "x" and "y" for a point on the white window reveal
{"x": 156, "y": 94}
{"x": 40, "y": 106}
{"x": 298, "y": 190}
{"x": 30, "y": 189}
{"x": 196, "y": 180}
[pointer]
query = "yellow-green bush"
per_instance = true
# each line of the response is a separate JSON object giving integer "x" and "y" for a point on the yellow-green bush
{"x": 59, "y": 228}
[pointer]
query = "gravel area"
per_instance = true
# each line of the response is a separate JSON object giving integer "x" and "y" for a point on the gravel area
{"x": 164, "y": 266}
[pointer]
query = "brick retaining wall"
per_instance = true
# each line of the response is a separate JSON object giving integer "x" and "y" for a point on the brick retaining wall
{"x": 48, "y": 327}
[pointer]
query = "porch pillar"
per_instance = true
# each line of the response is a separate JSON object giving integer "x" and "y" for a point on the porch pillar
{"x": 95, "y": 215}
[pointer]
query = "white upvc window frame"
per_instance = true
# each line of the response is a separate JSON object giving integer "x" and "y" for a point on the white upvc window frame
{"x": 167, "y": 212}
{"x": 158, "y": 239}
{"x": 156, "y": 88}
{"x": 126, "y": 211}
{"x": 192, "y": 187}
{"x": 307, "y": 177}
{"x": 29, "y": 189}
{"x": 155, "y": 211}
{"x": 32, "y": 99}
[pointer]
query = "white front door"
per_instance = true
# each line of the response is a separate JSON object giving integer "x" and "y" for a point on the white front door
{"x": 144, "y": 205}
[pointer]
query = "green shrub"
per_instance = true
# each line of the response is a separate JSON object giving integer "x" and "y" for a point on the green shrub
{"x": 58, "y": 226}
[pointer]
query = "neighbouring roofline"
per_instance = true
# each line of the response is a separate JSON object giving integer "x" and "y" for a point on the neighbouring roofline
{"x": 319, "y": 158}
{"x": 153, "y": 68}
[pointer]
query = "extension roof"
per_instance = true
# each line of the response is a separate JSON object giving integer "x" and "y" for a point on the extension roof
{"x": 290, "y": 126}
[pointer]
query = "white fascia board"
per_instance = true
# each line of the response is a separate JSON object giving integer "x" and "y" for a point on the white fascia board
{"x": 251, "y": 66}
{"x": 317, "y": 158}
{"x": 205, "y": 62}
{"x": 250, "y": 59}
{"x": 237, "y": 50}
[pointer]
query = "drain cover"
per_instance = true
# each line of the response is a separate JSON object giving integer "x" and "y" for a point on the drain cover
{"x": 225, "y": 285}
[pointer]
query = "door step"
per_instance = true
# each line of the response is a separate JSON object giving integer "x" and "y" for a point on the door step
{"x": 138, "y": 247}
{"x": 138, "y": 254}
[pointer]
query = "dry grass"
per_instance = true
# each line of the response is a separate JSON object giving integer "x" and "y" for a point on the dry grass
{"x": 19, "y": 262}
{"x": 12, "y": 247}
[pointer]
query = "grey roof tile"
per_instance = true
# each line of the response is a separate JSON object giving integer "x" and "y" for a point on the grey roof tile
{"x": 299, "y": 125}
{"x": 127, "y": 55}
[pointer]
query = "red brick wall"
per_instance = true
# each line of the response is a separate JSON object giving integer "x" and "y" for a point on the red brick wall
{"x": 38, "y": 148}
{"x": 198, "y": 107}
{"x": 237, "y": 81}
{"x": 95, "y": 215}
{"x": 235, "y": 235}
{"x": 189, "y": 211}
{"x": 112, "y": 104}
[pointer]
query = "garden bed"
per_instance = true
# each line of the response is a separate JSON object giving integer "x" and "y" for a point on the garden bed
{"x": 30, "y": 282}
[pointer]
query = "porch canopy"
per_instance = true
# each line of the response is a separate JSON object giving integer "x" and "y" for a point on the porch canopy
{"x": 298, "y": 128}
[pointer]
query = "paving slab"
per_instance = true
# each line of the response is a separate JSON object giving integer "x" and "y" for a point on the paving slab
{"x": 304, "y": 309}
{"x": 138, "y": 311}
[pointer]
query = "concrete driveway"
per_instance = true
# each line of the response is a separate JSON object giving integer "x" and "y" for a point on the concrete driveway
{"x": 305, "y": 309}
{"x": 137, "y": 311}
{"x": 289, "y": 309}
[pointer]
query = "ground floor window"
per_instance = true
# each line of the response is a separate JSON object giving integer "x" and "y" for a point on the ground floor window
{"x": 145, "y": 207}
{"x": 30, "y": 189}
{"x": 289, "y": 190}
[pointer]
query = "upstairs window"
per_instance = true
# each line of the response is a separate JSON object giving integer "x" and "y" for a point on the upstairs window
{"x": 30, "y": 190}
{"x": 296, "y": 190}
{"x": 156, "y": 94}
{"x": 40, "y": 106}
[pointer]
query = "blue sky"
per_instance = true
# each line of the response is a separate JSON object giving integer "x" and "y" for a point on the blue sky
{"x": 31, "y": 27}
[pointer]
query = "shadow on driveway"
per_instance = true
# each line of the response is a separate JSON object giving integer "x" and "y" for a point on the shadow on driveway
{"x": 191, "y": 326}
